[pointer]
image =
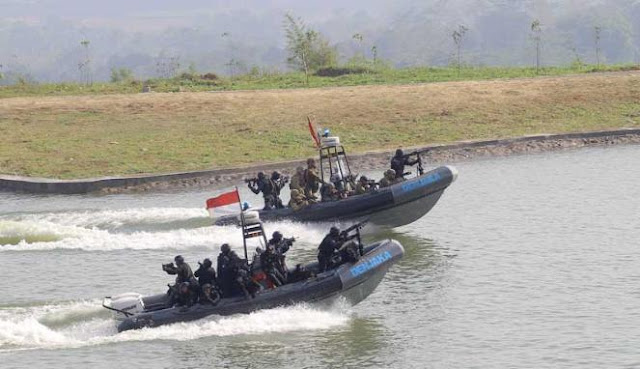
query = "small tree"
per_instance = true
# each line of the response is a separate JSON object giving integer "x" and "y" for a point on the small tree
{"x": 374, "y": 54}
{"x": 307, "y": 49}
{"x": 231, "y": 64}
{"x": 360, "y": 40}
{"x": 596, "y": 39}
{"x": 458, "y": 36}
{"x": 536, "y": 36}
{"x": 121, "y": 75}
{"x": 84, "y": 66}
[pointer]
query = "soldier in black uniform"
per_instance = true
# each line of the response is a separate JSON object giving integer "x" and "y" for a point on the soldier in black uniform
{"x": 328, "y": 249}
{"x": 278, "y": 184}
{"x": 270, "y": 263}
{"x": 227, "y": 259}
{"x": 233, "y": 273}
{"x": 399, "y": 161}
{"x": 282, "y": 245}
{"x": 206, "y": 274}
{"x": 268, "y": 189}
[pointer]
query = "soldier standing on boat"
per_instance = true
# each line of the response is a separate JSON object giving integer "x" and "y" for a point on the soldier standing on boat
{"x": 227, "y": 261}
{"x": 328, "y": 248}
{"x": 312, "y": 180}
{"x": 267, "y": 187}
{"x": 269, "y": 261}
{"x": 184, "y": 277}
{"x": 297, "y": 181}
{"x": 282, "y": 245}
{"x": 399, "y": 161}
{"x": 206, "y": 274}
{"x": 181, "y": 270}
{"x": 278, "y": 184}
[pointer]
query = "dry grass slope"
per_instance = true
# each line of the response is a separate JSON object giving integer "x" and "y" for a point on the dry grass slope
{"x": 85, "y": 136}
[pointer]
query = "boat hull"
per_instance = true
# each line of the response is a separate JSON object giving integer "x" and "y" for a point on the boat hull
{"x": 394, "y": 206}
{"x": 353, "y": 281}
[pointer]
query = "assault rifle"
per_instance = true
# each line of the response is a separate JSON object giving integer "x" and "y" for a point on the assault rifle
{"x": 345, "y": 236}
{"x": 356, "y": 227}
{"x": 417, "y": 153}
{"x": 286, "y": 244}
{"x": 280, "y": 182}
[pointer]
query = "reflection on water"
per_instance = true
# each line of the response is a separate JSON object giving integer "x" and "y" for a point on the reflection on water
{"x": 352, "y": 346}
{"x": 423, "y": 258}
{"x": 349, "y": 346}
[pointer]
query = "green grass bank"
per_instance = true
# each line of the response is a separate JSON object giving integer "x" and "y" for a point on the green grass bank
{"x": 93, "y": 135}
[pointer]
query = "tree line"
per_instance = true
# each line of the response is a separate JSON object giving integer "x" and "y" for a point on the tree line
{"x": 308, "y": 50}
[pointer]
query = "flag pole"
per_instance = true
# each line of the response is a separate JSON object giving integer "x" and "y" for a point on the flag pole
{"x": 244, "y": 238}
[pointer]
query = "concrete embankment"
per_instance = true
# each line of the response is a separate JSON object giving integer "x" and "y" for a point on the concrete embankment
{"x": 445, "y": 153}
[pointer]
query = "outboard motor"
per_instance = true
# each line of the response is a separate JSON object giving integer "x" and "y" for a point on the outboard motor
{"x": 124, "y": 305}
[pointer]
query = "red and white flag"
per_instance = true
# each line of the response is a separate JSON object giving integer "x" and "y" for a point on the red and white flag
{"x": 225, "y": 199}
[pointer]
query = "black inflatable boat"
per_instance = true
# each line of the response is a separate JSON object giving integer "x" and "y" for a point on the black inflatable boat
{"x": 352, "y": 281}
{"x": 394, "y": 206}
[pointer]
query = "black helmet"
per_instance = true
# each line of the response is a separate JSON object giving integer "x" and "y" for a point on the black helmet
{"x": 311, "y": 162}
{"x": 207, "y": 263}
{"x": 399, "y": 152}
{"x": 260, "y": 175}
{"x": 178, "y": 259}
{"x": 364, "y": 179}
{"x": 225, "y": 248}
{"x": 275, "y": 175}
{"x": 277, "y": 236}
{"x": 334, "y": 231}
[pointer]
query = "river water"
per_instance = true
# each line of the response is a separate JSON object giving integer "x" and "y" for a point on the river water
{"x": 526, "y": 262}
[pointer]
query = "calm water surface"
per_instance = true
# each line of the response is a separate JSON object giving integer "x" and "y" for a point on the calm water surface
{"x": 526, "y": 262}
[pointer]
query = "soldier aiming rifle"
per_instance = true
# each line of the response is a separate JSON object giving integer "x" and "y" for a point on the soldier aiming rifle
{"x": 339, "y": 247}
{"x": 400, "y": 159}
{"x": 269, "y": 188}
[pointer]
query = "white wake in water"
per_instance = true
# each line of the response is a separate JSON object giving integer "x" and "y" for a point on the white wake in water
{"x": 98, "y": 231}
{"x": 114, "y": 219}
{"x": 85, "y": 323}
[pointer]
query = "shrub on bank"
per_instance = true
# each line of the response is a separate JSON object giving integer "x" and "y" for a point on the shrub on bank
{"x": 341, "y": 71}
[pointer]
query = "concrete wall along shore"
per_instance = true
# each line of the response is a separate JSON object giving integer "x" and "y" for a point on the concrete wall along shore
{"x": 446, "y": 153}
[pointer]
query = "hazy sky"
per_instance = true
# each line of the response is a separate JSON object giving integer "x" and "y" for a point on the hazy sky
{"x": 41, "y": 38}
{"x": 119, "y": 8}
